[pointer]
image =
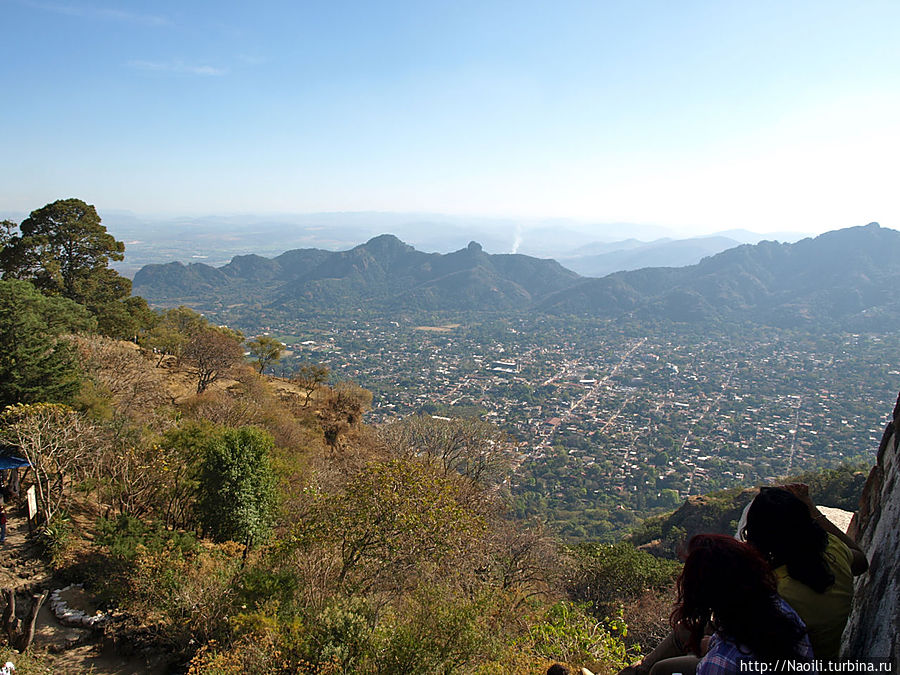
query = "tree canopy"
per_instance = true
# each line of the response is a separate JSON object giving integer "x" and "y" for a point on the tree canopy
{"x": 309, "y": 377}
{"x": 64, "y": 250}
{"x": 237, "y": 489}
{"x": 172, "y": 331}
{"x": 61, "y": 248}
{"x": 35, "y": 363}
{"x": 266, "y": 350}
{"x": 212, "y": 353}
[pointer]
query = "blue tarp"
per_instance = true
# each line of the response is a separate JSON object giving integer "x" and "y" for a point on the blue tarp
{"x": 10, "y": 462}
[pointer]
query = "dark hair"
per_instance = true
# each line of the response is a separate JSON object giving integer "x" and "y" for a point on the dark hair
{"x": 557, "y": 669}
{"x": 726, "y": 582}
{"x": 780, "y": 527}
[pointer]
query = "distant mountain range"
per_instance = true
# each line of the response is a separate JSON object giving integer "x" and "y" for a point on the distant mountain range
{"x": 847, "y": 277}
{"x": 600, "y": 259}
{"x": 382, "y": 274}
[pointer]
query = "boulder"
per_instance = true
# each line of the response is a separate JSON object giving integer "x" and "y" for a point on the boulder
{"x": 873, "y": 629}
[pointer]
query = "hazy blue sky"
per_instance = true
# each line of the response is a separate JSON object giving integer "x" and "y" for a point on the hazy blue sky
{"x": 697, "y": 115}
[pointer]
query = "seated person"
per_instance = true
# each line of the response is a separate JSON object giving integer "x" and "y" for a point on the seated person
{"x": 813, "y": 561}
{"x": 790, "y": 533}
{"x": 727, "y": 585}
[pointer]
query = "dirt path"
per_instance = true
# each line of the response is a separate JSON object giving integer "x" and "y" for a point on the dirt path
{"x": 19, "y": 566}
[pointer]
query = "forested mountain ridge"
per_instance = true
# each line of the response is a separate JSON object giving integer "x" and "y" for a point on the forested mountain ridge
{"x": 383, "y": 273}
{"x": 848, "y": 277}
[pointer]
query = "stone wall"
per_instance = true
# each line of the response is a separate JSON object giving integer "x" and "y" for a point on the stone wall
{"x": 874, "y": 625}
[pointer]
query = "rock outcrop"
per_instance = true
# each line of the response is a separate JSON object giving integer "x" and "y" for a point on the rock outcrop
{"x": 874, "y": 625}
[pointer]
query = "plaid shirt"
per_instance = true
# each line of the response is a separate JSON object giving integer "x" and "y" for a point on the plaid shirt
{"x": 724, "y": 657}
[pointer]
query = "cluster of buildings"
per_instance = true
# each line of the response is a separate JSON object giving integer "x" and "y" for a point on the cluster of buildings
{"x": 649, "y": 414}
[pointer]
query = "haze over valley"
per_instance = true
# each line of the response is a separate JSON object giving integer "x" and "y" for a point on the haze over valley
{"x": 622, "y": 395}
{"x": 396, "y": 337}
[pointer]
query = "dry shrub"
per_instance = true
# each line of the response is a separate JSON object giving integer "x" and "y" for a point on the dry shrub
{"x": 340, "y": 410}
{"x": 524, "y": 559}
{"x": 136, "y": 388}
{"x": 251, "y": 400}
{"x": 647, "y": 617}
{"x": 186, "y": 598}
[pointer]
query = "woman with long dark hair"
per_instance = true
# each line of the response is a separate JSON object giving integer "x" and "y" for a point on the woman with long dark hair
{"x": 729, "y": 612}
{"x": 813, "y": 561}
{"x": 727, "y": 584}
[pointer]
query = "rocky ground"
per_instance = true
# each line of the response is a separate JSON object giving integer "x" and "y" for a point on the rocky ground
{"x": 63, "y": 650}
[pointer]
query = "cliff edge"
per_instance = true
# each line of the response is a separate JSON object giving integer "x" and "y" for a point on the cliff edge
{"x": 874, "y": 625}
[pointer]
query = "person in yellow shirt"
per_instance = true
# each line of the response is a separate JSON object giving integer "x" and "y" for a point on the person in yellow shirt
{"x": 813, "y": 561}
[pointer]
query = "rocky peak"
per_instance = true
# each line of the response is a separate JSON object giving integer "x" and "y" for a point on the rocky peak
{"x": 386, "y": 244}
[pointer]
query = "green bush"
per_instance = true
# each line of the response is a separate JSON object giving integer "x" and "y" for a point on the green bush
{"x": 342, "y": 635}
{"x": 53, "y": 539}
{"x": 433, "y": 632}
{"x": 261, "y": 586}
{"x": 606, "y": 574}
{"x": 570, "y": 634}
{"x": 237, "y": 489}
{"x": 126, "y": 537}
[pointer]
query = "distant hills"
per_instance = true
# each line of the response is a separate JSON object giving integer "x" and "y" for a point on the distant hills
{"x": 600, "y": 259}
{"x": 215, "y": 239}
{"x": 382, "y": 274}
{"x": 846, "y": 277}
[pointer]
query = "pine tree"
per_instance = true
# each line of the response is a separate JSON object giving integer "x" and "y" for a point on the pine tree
{"x": 35, "y": 364}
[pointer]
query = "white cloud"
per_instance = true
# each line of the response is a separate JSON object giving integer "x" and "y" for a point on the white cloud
{"x": 90, "y": 12}
{"x": 178, "y": 67}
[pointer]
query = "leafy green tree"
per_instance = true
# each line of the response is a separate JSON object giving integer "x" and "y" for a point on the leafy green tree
{"x": 237, "y": 495}
{"x": 184, "y": 449}
{"x": 7, "y": 232}
{"x": 124, "y": 318}
{"x": 35, "y": 363}
{"x": 393, "y": 519}
{"x": 265, "y": 350}
{"x": 64, "y": 249}
{"x": 172, "y": 330}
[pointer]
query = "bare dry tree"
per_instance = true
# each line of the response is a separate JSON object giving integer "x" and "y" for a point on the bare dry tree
{"x": 474, "y": 449}
{"x": 211, "y": 353}
{"x": 57, "y": 441}
{"x": 19, "y": 632}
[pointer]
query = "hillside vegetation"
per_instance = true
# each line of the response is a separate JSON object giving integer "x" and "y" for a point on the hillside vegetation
{"x": 844, "y": 278}
{"x": 234, "y": 522}
{"x": 241, "y": 530}
{"x": 231, "y": 522}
